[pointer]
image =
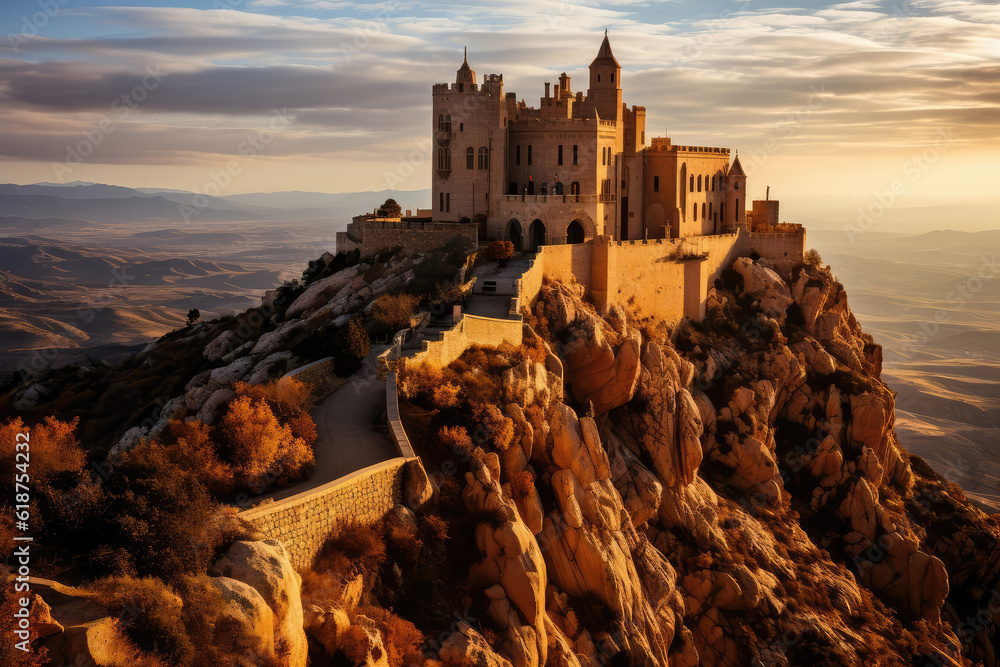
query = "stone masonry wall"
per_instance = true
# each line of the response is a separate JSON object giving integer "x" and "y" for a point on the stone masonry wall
{"x": 471, "y": 330}
{"x": 304, "y": 521}
{"x": 319, "y": 374}
{"x": 412, "y": 236}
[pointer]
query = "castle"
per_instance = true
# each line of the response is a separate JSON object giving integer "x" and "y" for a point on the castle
{"x": 574, "y": 184}
{"x": 573, "y": 169}
{"x": 576, "y": 167}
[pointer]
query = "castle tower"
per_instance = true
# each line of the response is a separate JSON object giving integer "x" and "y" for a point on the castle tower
{"x": 736, "y": 195}
{"x": 605, "y": 83}
{"x": 470, "y": 144}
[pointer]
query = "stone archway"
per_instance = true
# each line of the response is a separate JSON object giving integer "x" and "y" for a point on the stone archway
{"x": 515, "y": 235}
{"x": 574, "y": 232}
{"x": 536, "y": 234}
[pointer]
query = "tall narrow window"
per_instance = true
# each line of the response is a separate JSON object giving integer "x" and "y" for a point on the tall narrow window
{"x": 692, "y": 182}
{"x": 575, "y": 153}
{"x": 656, "y": 183}
{"x": 484, "y": 157}
{"x": 713, "y": 184}
{"x": 703, "y": 211}
{"x": 469, "y": 157}
{"x": 517, "y": 155}
{"x": 699, "y": 182}
{"x": 560, "y": 154}
{"x": 447, "y": 202}
{"x": 529, "y": 154}
{"x": 441, "y": 202}
{"x": 736, "y": 212}
{"x": 604, "y": 156}
{"x": 736, "y": 185}
{"x": 694, "y": 211}
{"x": 447, "y": 159}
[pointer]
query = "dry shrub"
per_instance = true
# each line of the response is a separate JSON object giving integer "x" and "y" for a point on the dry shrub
{"x": 262, "y": 450}
{"x": 190, "y": 446}
{"x": 9, "y": 653}
{"x": 497, "y": 428}
{"x": 54, "y": 449}
{"x": 455, "y": 439}
{"x": 392, "y": 312}
{"x": 287, "y": 397}
{"x": 435, "y": 527}
{"x": 534, "y": 349}
{"x": 417, "y": 382}
{"x": 362, "y": 546}
{"x": 447, "y": 395}
{"x": 401, "y": 638}
{"x": 150, "y": 613}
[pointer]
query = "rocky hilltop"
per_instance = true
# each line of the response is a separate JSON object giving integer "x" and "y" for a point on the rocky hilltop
{"x": 729, "y": 492}
{"x": 613, "y": 491}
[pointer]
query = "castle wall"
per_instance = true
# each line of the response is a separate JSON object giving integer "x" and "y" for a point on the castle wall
{"x": 412, "y": 236}
{"x": 471, "y": 330}
{"x": 785, "y": 249}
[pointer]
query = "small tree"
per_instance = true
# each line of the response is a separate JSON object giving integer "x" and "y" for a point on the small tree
{"x": 498, "y": 250}
{"x": 390, "y": 209}
{"x": 193, "y": 316}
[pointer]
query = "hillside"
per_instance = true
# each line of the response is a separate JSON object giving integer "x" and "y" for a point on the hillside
{"x": 613, "y": 491}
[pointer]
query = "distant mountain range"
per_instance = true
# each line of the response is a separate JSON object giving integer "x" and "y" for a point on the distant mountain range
{"x": 79, "y": 203}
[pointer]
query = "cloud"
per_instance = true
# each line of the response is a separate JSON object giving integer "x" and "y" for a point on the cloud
{"x": 356, "y": 78}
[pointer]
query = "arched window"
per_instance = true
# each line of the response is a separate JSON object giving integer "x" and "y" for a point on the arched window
{"x": 444, "y": 159}
{"x": 470, "y": 158}
{"x": 444, "y": 122}
{"x": 703, "y": 211}
{"x": 574, "y": 189}
{"x": 440, "y": 122}
{"x": 713, "y": 184}
{"x": 699, "y": 182}
{"x": 736, "y": 185}
{"x": 692, "y": 182}
{"x": 484, "y": 158}
{"x": 710, "y": 210}
{"x": 694, "y": 211}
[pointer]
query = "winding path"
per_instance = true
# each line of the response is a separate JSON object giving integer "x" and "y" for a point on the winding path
{"x": 351, "y": 432}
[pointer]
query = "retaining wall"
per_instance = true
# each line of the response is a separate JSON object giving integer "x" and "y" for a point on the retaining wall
{"x": 470, "y": 330}
{"x": 303, "y": 522}
{"x": 319, "y": 374}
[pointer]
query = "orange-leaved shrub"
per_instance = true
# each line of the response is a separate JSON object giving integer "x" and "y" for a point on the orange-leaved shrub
{"x": 263, "y": 451}
{"x": 190, "y": 446}
{"x": 401, "y": 638}
{"x": 50, "y": 449}
{"x": 390, "y": 313}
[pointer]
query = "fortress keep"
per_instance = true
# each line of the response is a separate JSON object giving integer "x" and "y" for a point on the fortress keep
{"x": 576, "y": 167}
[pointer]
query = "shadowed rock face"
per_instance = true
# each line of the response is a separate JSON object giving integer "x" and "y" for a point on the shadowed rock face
{"x": 734, "y": 495}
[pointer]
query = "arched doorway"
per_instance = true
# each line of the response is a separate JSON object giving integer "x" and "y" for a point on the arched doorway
{"x": 514, "y": 234}
{"x": 574, "y": 233}
{"x": 536, "y": 234}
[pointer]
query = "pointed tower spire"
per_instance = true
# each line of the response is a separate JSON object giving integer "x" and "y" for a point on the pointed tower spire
{"x": 465, "y": 73}
{"x": 605, "y": 58}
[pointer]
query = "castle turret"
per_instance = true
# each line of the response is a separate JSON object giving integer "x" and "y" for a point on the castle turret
{"x": 605, "y": 83}
{"x": 736, "y": 195}
{"x": 466, "y": 73}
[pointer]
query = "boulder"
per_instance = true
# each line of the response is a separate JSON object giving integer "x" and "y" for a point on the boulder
{"x": 248, "y": 607}
{"x": 467, "y": 648}
{"x": 265, "y": 567}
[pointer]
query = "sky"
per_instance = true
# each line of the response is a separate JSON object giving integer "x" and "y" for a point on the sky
{"x": 820, "y": 99}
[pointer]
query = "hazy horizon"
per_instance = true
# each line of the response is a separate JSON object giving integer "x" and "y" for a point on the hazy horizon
{"x": 821, "y": 99}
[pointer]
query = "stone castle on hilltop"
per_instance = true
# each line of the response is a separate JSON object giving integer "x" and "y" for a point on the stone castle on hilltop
{"x": 575, "y": 167}
{"x": 575, "y": 182}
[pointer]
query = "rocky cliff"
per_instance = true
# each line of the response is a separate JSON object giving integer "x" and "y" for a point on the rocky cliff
{"x": 728, "y": 492}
